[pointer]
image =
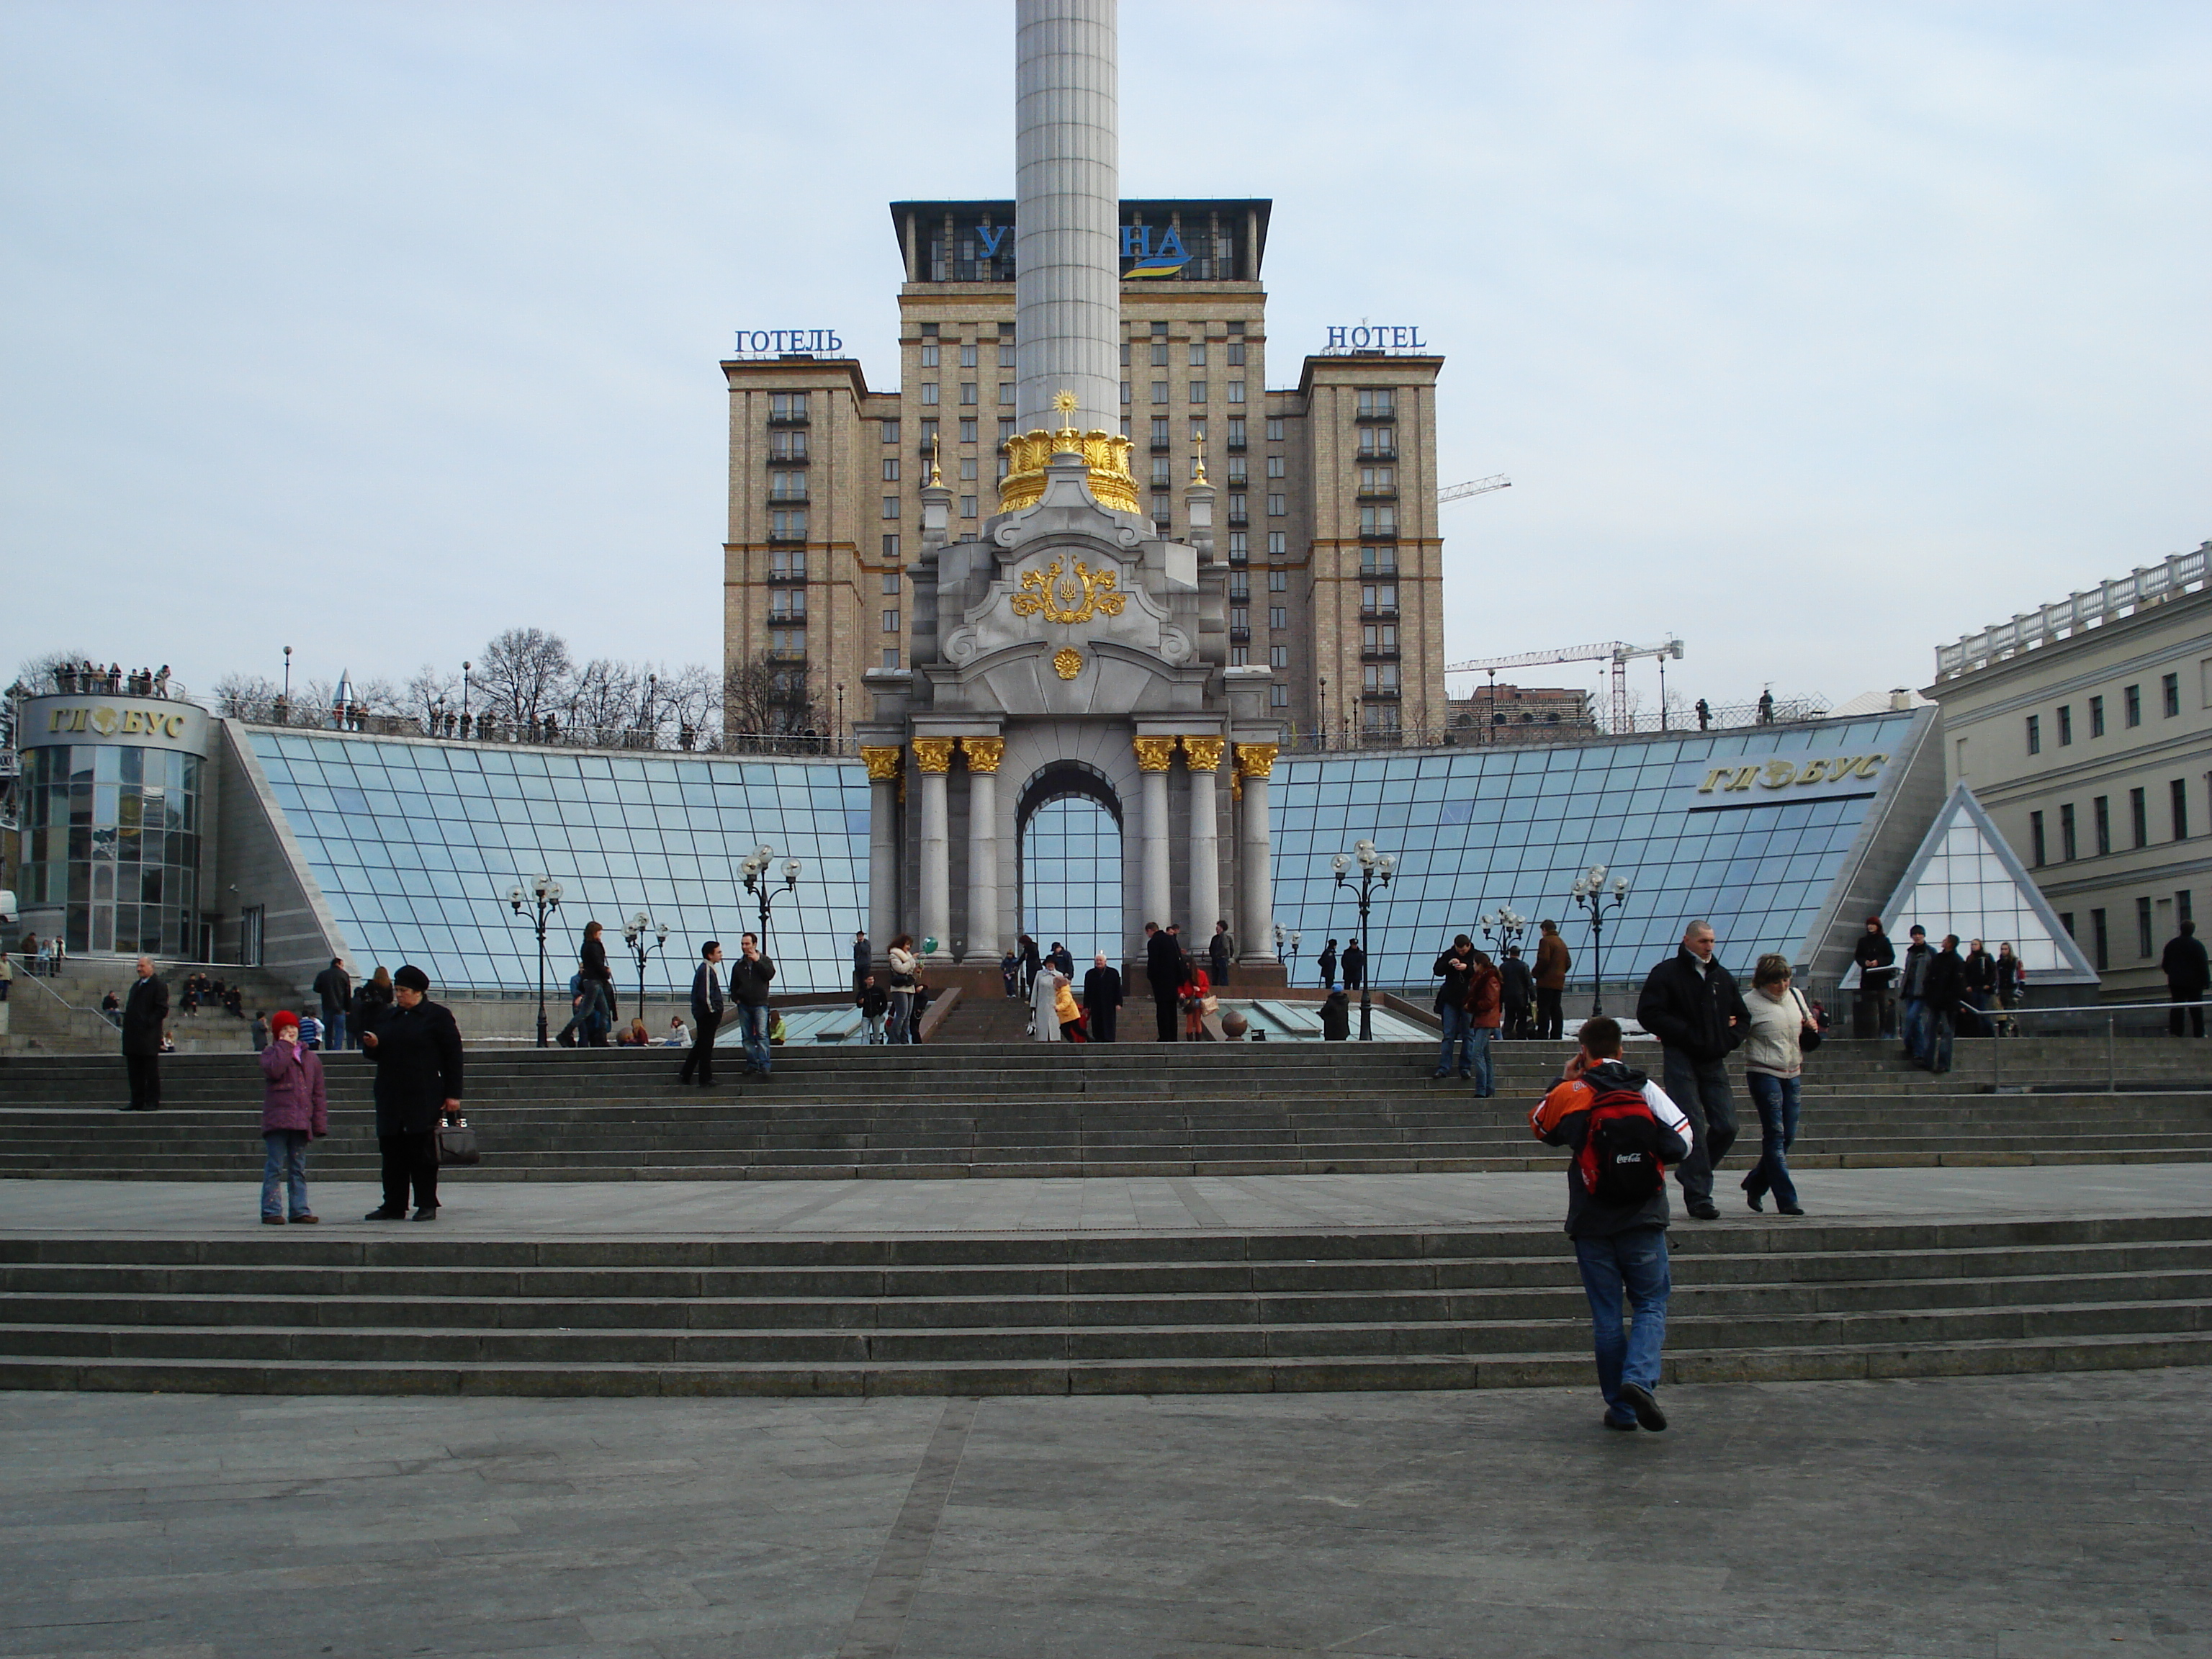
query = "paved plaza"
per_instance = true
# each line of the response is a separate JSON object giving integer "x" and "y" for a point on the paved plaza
{"x": 881, "y": 1208}
{"x": 2041, "y": 1518}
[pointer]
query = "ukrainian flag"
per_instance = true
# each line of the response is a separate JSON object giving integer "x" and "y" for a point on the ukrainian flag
{"x": 1157, "y": 265}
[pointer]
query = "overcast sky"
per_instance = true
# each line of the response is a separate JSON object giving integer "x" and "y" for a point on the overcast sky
{"x": 1817, "y": 335}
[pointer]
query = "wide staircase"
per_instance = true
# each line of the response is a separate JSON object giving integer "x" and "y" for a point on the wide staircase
{"x": 349, "y": 1309}
{"x": 942, "y": 1110}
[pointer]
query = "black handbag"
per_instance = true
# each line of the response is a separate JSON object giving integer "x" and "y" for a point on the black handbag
{"x": 1809, "y": 1036}
{"x": 456, "y": 1143}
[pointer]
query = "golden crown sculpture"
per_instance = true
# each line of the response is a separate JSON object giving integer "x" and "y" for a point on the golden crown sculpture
{"x": 1105, "y": 453}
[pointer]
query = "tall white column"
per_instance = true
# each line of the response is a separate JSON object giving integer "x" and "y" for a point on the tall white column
{"x": 1204, "y": 756}
{"x": 1067, "y": 271}
{"x": 934, "y": 756}
{"x": 1154, "y": 755}
{"x": 983, "y": 755}
{"x": 886, "y": 762}
{"x": 1255, "y": 761}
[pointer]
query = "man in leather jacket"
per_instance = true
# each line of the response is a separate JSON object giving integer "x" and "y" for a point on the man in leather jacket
{"x": 1692, "y": 1004}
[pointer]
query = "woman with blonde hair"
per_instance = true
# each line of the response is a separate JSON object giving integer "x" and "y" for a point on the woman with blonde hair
{"x": 1782, "y": 1029}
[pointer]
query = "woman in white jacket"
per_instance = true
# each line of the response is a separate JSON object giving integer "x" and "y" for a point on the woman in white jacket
{"x": 1044, "y": 993}
{"x": 904, "y": 977}
{"x": 1774, "y": 1062}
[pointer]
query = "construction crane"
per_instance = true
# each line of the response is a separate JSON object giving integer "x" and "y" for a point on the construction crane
{"x": 1459, "y": 492}
{"x": 1615, "y": 652}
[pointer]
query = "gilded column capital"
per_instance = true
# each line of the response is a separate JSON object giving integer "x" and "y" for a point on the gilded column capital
{"x": 1256, "y": 760}
{"x": 1204, "y": 754}
{"x": 1154, "y": 754}
{"x": 983, "y": 754}
{"x": 885, "y": 760}
{"x": 934, "y": 754}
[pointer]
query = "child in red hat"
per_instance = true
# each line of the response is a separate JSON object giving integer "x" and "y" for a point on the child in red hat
{"x": 295, "y": 1110}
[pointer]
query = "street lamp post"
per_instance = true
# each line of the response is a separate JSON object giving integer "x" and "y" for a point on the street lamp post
{"x": 756, "y": 870}
{"x": 1375, "y": 869}
{"x": 544, "y": 896}
{"x": 1501, "y": 929}
{"x": 1288, "y": 943}
{"x": 638, "y": 936}
{"x": 465, "y": 666}
{"x": 1592, "y": 896}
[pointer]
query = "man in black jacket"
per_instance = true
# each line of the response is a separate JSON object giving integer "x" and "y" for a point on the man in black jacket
{"x": 1946, "y": 990}
{"x": 1690, "y": 1003}
{"x": 1355, "y": 965}
{"x": 334, "y": 986}
{"x": 417, "y": 1050}
{"x": 1456, "y": 967}
{"x": 1101, "y": 998}
{"x": 2187, "y": 975}
{"x": 1873, "y": 1014}
{"x": 750, "y": 976}
{"x": 1915, "y": 1019}
{"x": 1519, "y": 989}
{"x": 708, "y": 999}
{"x": 1164, "y": 972}
{"x": 1218, "y": 950}
{"x": 145, "y": 1012}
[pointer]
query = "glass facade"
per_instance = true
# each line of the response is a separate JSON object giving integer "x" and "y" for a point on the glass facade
{"x": 1475, "y": 829}
{"x": 111, "y": 835}
{"x": 1071, "y": 879}
{"x": 415, "y": 845}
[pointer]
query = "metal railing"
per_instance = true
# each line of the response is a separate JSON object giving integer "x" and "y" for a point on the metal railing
{"x": 2148, "y": 585}
{"x": 1469, "y": 731}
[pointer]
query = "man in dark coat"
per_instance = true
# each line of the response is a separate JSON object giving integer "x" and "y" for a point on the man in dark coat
{"x": 1873, "y": 1014}
{"x": 1915, "y": 1017}
{"x": 1456, "y": 967}
{"x": 2188, "y": 975}
{"x": 1945, "y": 991}
{"x": 1519, "y": 991}
{"x": 335, "y": 986}
{"x": 1218, "y": 950}
{"x": 709, "y": 999}
{"x": 145, "y": 1012}
{"x": 1355, "y": 965}
{"x": 1690, "y": 1003}
{"x": 1101, "y": 998}
{"x": 417, "y": 1050}
{"x": 1327, "y": 962}
{"x": 750, "y": 974}
{"x": 1164, "y": 972}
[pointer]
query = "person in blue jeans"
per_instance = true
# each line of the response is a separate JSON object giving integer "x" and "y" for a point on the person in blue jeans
{"x": 1774, "y": 1062}
{"x": 750, "y": 976}
{"x": 1455, "y": 966}
{"x": 295, "y": 1110}
{"x": 1620, "y": 1248}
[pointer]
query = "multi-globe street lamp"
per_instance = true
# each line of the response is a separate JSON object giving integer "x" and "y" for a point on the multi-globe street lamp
{"x": 1501, "y": 929}
{"x": 638, "y": 934}
{"x": 1288, "y": 941}
{"x": 544, "y": 896}
{"x": 1592, "y": 896}
{"x": 756, "y": 871}
{"x": 1375, "y": 870}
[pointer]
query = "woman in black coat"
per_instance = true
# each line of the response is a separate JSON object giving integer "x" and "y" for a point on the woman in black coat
{"x": 417, "y": 1050}
{"x": 593, "y": 966}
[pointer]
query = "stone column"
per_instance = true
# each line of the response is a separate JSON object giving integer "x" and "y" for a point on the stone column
{"x": 886, "y": 763}
{"x": 1154, "y": 755}
{"x": 1254, "y": 763}
{"x": 933, "y": 757}
{"x": 1203, "y": 755}
{"x": 984, "y": 756}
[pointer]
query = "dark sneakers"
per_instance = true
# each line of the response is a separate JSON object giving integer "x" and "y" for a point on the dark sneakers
{"x": 382, "y": 1214}
{"x": 1702, "y": 1208}
{"x": 1613, "y": 1422}
{"x": 1638, "y": 1399}
{"x": 428, "y": 1212}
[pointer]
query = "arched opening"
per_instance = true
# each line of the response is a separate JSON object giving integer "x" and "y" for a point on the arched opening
{"x": 1070, "y": 860}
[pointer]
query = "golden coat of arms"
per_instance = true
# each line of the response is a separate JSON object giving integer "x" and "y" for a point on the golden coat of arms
{"x": 1062, "y": 593}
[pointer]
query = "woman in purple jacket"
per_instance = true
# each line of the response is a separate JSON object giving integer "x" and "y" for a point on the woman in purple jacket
{"x": 293, "y": 1111}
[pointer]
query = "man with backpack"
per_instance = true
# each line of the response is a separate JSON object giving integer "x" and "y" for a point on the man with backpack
{"x": 1624, "y": 1131}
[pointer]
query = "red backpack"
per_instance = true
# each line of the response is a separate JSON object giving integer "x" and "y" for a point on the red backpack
{"x": 1620, "y": 1161}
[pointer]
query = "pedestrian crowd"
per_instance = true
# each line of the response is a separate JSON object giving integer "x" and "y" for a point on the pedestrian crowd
{"x": 89, "y": 679}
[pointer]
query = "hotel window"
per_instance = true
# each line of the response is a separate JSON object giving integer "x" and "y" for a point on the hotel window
{"x": 929, "y": 354}
{"x": 1379, "y": 637}
{"x": 968, "y": 432}
{"x": 1240, "y": 621}
{"x": 1007, "y": 354}
{"x": 1159, "y": 351}
{"x": 1006, "y": 394}
{"x": 1274, "y": 428}
{"x": 788, "y": 563}
{"x": 891, "y": 656}
{"x": 787, "y": 486}
{"x": 1236, "y": 432}
{"x": 890, "y": 621}
{"x": 967, "y": 391}
{"x": 1240, "y": 587}
{"x": 891, "y": 471}
{"x": 1240, "y": 656}
{"x": 1276, "y": 466}
{"x": 1377, "y": 403}
{"x": 928, "y": 437}
{"x": 2181, "y": 795}
{"x": 890, "y": 584}
{"x": 968, "y": 469}
{"x": 1379, "y": 678}
{"x": 1279, "y": 617}
{"x": 2131, "y": 703}
{"x": 786, "y": 405}
{"x": 788, "y": 524}
{"x": 1159, "y": 391}
{"x": 1197, "y": 431}
{"x": 1279, "y": 696}
{"x": 1160, "y": 434}
{"x": 1239, "y": 507}
{"x": 2065, "y": 724}
{"x": 1374, "y": 479}
{"x": 1197, "y": 355}
{"x": 1125, "y": 392}
{"x": 2170, "y": 691}
{"x": 1279, "y": 581}
{"x": 890, "y": 432}
{"x": 1240, "y": 546}
{"x": 929, "y": 393}
{"x": 1377, "y": 440}
{"x": 891, "y": 506}
{"x": 787, "y": 446}
{"x": 1378, "y": 561}
{"x": 2068, "y": 851}
{"x": 2103, "y": 949}
{"x": 787, "y": 605}
{"x": 967, "y": 506}
{"x": 2035, "y": 854}
{"x": 1279, "y": 656}
{"x": 1378, "y": 520}
{"x": 1278, "y": 507}
{"x": 1160, "y": 479}
{"x": 2100, "y": 816}
{"x": 2035, "y": 734}
{"x": 2096, "y": 717}
{"x": 890, "y": 550}
{"x": 1278, "y": 545}
{"x": 1237, "y": 475}
{"x": 1236, "y": 359}
{"x": 2139, "y": 816}
{"x": 1198, "y": 392}
{"x": 1235, "y": 392}
{"x": 968, "y": 359}
{"x": 788, "y": 644}
{"x": 2142, "y": 928}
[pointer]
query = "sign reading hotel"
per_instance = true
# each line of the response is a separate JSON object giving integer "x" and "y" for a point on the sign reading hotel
{"x": 775, "y": 342}
{"x": 1750, "y": 781}
{"x": 1377, "y": 337}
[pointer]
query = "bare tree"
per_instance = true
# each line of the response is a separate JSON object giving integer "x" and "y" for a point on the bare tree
{"x": 604, "y": 700}
{"x": 690, "y": 699}
{"x": 768, "y": 701}
{"x": 430, "y": 691}
{"x": 524, "y": 674}
{"x": 38, "y": 675}
{"x": 252, "y": 697}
